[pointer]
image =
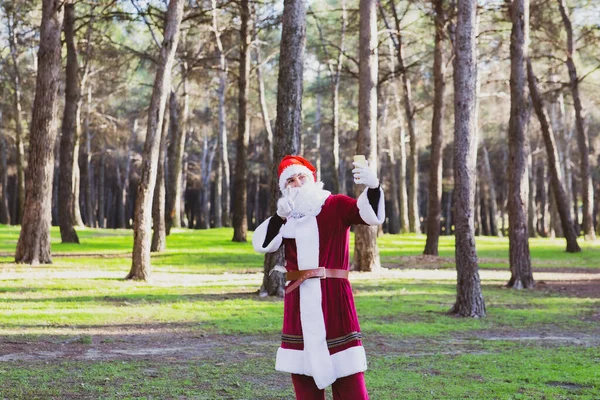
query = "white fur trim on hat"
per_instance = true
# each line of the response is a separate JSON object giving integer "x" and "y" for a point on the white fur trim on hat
{"x": 291, "y": 171}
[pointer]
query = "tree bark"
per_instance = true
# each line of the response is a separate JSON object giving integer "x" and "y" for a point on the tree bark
{"x": 69, "y": 132}
{"x": 402, "y": 192}
{"x": 448, "y": 212}
{"x": 88, "y": 170}
{"x": 101, "y": 191}
{"x": 317, "y": 127}
{"x": 140, "y": 268}
{"x": 289, "y": 120}
{"x": 222, "y": 198}
{"x": 33, "y": 246}
{"x": 18, "y": 118}
{"x": 587, "y": 187}
{"x": 414, "y": 222}
{"x": 123, "y": 217}
{"x": 4, "y": 210}
{"x": 560, "y": 195}
{"x": 240, "y": 201}
{"x": 366, "y": 253}
{"x": 159, "y": 228}
{"x": 469, "y": 298}
{"x": 518, "y": 238}
{"x": 491, "y": 191}
{"x": 394, "y": 218}
{"x": 175, "y": 156}
{"x": 335, "y": 103}
{"x": 434, "y": 206}
{"x": 531, "y": 210}
{"x": 207, "y": 165}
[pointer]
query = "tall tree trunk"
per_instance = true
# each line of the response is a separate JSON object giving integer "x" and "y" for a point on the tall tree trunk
{"x": 159, "y": 229}
{"x": 544, "y": 229}
{"x": 140, "y": 267}
{"x": 335, "y": 103}
{"x": 477, "y": 207}
{"x": 394, "y": 219}
{"x": 78, "y": 196}
{"x": 207, "y": 166}
{"x": 434, "y": 207}
{"x": 554, "y": 216}
{"x": 69, "y": 132}
{"x": 240, "y": 201}
{"x": 54, "y": 201}
{"x": 587, "y": 187}
{"x": 469, "y": 298}
{"x": 76, "y": 209}
{"x": 175, "y": 154}
{"x": 317, "y": 127}
{"x": 88, "y": 165}
{"x": 409, "y": 110}
{"x": 366, "y": 253}
{"x": 402, "y": 192}
{"x": 491, "y": 191}
{"x": 33, "y": 246}
{"x": 560, "y": 196}
{"x": 518, "y": 238}
{"x": 264, "y": 110}
{"x": 20, "y": 195}
{"x": 184, "y": 175}
{"x": 4, "y": 210}
{"x": 101, "y": 191}
{"x": 123, "y": 217}
{"x": 289, "y": 120}
{"x": 222, "y": 198}
{"x": 531, "y": 210}
{"x": 448, "y": 212}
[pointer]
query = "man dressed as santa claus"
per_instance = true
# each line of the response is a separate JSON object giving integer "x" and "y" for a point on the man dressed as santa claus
{"x": 321, "y": 339}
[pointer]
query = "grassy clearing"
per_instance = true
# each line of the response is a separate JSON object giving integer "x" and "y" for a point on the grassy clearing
{"x": 58, "y": 322}
{"x": 201, "y": 251}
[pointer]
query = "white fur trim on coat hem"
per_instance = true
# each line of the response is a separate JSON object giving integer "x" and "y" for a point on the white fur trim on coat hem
{"x": 345, "y": 363}
{"x": 260, "y": 233}
{"x": 366, "y": 210}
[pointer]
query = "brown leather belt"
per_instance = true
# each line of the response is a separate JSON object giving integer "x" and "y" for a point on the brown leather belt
{"x": 321, "y": 272}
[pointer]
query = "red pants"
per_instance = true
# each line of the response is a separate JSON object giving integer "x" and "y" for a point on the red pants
{"x": 347, "y": 388}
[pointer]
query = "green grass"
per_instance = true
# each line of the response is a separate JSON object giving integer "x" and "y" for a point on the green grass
{"x": 201, "y": 251}
{"x": 204, "y": 287}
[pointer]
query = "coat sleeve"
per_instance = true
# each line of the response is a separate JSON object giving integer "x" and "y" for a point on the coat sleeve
{"x": 368, "y": 209}
{"x": 267, "y": 236}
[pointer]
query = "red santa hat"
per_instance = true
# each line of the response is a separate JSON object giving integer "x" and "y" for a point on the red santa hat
{"x": 292, "y": 165}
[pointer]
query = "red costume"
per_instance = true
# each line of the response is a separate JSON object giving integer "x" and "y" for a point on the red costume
{"x": 321, "y": 336}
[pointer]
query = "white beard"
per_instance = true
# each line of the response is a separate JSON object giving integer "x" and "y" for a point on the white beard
{"x": 308, "y": 199}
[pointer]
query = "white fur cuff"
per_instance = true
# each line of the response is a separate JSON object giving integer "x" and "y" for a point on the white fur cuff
{"x": 260, "y": 233}
{"x": 366, "y": 210}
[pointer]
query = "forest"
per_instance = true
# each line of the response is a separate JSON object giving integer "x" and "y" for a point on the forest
{"x": 185, "y": 125}
{"x": 145, "y": 136}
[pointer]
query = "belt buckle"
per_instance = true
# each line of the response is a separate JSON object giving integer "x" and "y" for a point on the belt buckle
{"x": 321, "y": 274}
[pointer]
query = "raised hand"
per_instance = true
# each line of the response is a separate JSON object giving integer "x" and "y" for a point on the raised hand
{"x": 364, "y": 175}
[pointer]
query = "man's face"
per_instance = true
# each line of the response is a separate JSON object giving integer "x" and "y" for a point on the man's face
{"x": 297, "y": 180}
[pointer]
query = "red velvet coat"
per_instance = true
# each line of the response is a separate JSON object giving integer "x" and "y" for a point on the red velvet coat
{"x": 321, "y": 333}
